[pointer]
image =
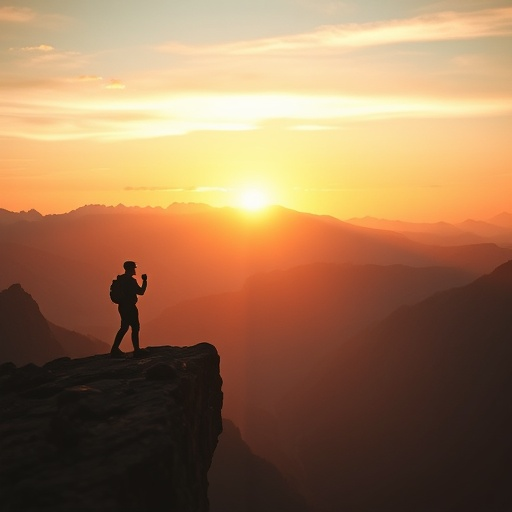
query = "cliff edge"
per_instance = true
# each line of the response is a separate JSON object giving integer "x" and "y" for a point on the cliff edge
{"x": 110, "y": 435}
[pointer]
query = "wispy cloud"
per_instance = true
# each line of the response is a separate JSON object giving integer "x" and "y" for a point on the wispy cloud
{"x": 98, "y": 81}
{"x": 66, "y": 117}
{"x": 89, "y": 78}
{"x": 29, "y": 17}
{"x": 40, "y": 48}
{"x": 115, "y": 83}
{"x": 441, "y": 26}
{"x": 16, "y": 14}
{"x": 215, "y": 94}
{"x": 45, "y": 54}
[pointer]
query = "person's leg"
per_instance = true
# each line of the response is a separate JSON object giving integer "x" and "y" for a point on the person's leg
{"x": 135, "y": 325}
{"x": 135, "y": 338}
{"x": 119, "y": 336}
{"x": 121, "y": 332}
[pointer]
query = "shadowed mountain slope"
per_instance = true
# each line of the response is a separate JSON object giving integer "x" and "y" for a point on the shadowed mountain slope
{"x": 25, "y": 334}
{"x": 27, "y": 337}
{"x": 243, "y": 482}
{"x": 280, "y": 324}
{"x": 415, "y": 412}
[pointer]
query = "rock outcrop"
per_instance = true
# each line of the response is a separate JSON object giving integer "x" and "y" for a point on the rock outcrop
{"x": 110, "y": 435}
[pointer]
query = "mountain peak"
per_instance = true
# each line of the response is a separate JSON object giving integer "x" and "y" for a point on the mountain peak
{"x": 8, "y": 217}
{"x": 25, "y": 331}
{"x": 15, "y": 293}
{"x": 28, "y": 337}
{"x": 16, "y": 287}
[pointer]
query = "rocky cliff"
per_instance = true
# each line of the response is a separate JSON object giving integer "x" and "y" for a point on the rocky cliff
{"x": 110, "y": 435}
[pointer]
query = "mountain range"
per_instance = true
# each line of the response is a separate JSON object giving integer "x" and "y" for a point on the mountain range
{"x": 497, "y": 229}
{"x": 191, "y": 251}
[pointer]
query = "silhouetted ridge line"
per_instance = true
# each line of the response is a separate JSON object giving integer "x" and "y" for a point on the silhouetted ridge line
{"x": 28, "y": 337}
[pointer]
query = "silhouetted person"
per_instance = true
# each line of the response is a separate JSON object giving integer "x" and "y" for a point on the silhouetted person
{"x": 128, "y": 310}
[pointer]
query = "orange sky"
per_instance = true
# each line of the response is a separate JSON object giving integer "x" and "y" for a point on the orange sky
{"x": 340, "y": 108}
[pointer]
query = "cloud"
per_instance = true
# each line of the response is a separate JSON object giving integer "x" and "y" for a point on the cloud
{"x": 442, "y": 26}
{"x": 89, "y": 78}
{"x": 16, "y": 14}
{"x": 66, "y": 117}
{"x": 40, "y": 48}
{"x": 27, "y": 16}
{"x": 45, "y": 54}
{"x": 114, "y": 83}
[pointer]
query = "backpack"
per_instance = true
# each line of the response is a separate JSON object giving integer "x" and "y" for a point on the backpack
{"x": 117, "y": 293}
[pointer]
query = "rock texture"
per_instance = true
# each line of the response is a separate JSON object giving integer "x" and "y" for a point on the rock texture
{"x": 110, "y": 435}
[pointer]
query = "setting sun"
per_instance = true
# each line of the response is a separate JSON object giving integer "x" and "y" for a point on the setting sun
{"x": 253, "y": 199}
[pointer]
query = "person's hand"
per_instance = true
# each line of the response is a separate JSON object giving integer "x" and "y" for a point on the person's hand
{"x": 144, "y": 277}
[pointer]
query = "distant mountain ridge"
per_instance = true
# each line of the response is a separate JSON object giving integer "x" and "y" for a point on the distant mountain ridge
{"x": 8, "y": 217}
{"x": 199, "y": 251}
{"x": 497, "y": 229}
{"x": 503, "y": 219}
{"x": 27, "y": 337}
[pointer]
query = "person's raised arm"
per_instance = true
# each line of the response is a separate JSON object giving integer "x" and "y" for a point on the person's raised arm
{"x": 142, "y": 288}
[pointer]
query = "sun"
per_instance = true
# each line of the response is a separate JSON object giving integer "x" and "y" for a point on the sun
{"x": 253, "y": 199}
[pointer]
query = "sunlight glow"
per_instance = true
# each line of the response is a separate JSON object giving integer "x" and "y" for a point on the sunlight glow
{"x": 253, "y": 199}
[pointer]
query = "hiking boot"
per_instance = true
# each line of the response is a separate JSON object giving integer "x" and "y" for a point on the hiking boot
{"x": 141, "y": 353}
{"x": 117, "y": 353}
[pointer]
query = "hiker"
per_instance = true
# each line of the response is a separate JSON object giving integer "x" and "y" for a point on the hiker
{"x": 124, "y": 291}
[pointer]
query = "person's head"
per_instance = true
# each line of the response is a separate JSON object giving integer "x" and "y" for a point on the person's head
{"x": 129, "y": 267}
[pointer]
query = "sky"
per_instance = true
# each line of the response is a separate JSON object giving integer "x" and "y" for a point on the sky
{"x": 399, "y": 109}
